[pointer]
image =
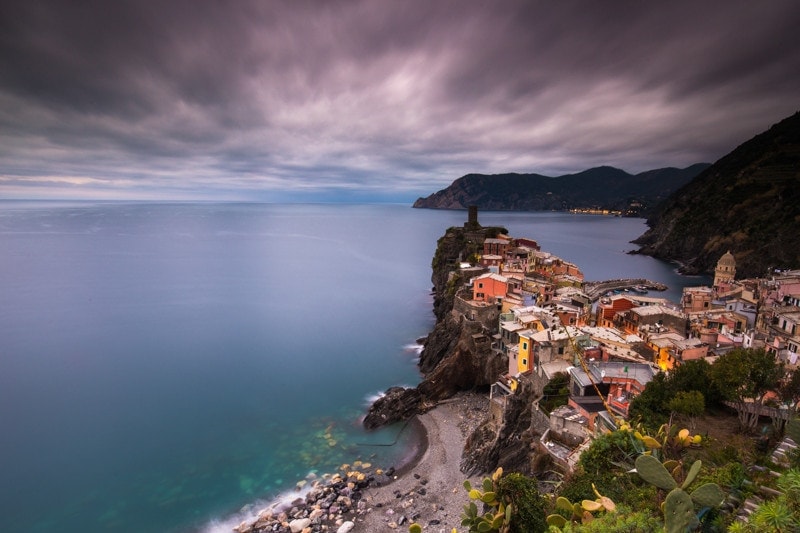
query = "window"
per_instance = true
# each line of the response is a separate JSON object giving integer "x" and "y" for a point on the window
{"x": 524, "y": 345}
{"x": 480, "y": 285}
{"x": 524, "y": 362}
{"x": 560, "y": 350}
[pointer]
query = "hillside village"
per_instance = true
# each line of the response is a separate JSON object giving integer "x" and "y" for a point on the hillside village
{"x": 538, "y": 312}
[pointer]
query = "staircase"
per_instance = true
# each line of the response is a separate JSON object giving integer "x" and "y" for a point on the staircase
{"x": 781, "y": 454}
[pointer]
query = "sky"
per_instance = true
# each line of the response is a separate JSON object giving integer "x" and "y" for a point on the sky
{"x": 378, "y": 101}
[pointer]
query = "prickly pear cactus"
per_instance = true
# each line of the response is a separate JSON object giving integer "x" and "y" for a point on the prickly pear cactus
{"x": 679, "y": 505}
{"x": 678, "y": 511}
{"x": 652, "y": 471}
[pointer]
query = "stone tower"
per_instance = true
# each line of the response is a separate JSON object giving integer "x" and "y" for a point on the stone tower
{"x": 472, "y": 218}
{"x": 726, "y": 269}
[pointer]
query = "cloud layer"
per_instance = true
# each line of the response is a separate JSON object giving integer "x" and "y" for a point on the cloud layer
{"x": 366, "y": 100}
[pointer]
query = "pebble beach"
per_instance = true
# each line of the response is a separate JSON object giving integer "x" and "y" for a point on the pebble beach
{"x": 428, "y": 488}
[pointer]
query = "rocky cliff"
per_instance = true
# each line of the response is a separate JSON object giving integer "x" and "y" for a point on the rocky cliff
{"x": 455, "y": 355}
{"x": 748, "y": 202}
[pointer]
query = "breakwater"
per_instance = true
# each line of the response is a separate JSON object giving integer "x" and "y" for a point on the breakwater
{"x": 595, "y": 289}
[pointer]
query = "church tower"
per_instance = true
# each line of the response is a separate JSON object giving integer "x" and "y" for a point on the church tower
{"x": 726, "y": 269}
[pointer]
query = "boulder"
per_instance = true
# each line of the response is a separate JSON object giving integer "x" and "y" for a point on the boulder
{"x": 346, "y": 527}
{"x": 296, "y": 526}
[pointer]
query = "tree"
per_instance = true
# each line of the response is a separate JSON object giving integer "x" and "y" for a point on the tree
{"x": 694, "y": 376}
{"x": 789, "y": 393}
{"x": 652, "y": 406}
{"x": 555, "y": 393}
{"x": 690, "y": 404}
{"x": 744, "y": 376}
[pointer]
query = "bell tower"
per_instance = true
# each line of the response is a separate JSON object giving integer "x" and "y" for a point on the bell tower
{"x": 726, "y": 269}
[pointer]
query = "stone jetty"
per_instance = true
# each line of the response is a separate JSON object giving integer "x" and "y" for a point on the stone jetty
{"x": 595, "y": 289}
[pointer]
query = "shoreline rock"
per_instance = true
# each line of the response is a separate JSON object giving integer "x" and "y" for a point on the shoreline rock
{"x": 427, "y": 487}
{"x": 334, "y": 502}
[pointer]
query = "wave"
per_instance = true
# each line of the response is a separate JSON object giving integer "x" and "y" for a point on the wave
{"x": 250, "y": 512}
{"x": 373, "y": 397}
{"x": 416, "y": 348}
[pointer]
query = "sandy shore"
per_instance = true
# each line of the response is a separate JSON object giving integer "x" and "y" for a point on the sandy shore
{"x": 430, "y": 489}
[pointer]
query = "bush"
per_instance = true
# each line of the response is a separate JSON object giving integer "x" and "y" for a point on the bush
{"x": 529, "y": 508}
{"x": 624, "y": 520}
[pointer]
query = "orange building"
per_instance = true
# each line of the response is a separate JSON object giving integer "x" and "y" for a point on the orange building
{"x": 489, "y": 287}
{"x": 609, "y": 307}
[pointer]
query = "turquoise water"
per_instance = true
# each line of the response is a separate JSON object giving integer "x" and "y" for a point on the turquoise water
{"x": 164, "y": 365}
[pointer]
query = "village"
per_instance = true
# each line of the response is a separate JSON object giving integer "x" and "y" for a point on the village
{"x": 540, "y": 313}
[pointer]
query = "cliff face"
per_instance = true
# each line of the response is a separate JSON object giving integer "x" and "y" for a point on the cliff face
{"x": 748, "y": 202}
{"x": 602, "y": 187}
{"x": 455, "y": 355}
{"x": 506, "y": 443}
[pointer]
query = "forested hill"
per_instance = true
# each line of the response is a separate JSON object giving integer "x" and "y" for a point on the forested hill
{"x": 748, "y": 202}
{"x": 600, "y": 187}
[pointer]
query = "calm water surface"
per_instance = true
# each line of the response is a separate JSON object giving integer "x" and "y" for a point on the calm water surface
{"x": 164, "y": 365}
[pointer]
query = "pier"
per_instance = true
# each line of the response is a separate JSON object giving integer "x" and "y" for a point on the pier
{"x": 595, "y": 289}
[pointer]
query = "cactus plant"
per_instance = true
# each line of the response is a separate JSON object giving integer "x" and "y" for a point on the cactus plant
{"x": 580, "y": 512}
{"x": 497, "y": 515}
{"x": 678, "y": 511}
{"x": 679, "y": 505}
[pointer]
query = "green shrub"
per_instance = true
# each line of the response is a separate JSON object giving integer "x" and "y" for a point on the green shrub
{"x": 530, "y": 508}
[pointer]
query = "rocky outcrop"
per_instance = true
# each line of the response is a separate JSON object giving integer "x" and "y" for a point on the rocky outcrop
{"x": 470, "y": 364}
{"x": 398, "y": 403}
{"x": 465, "y": 363}
{"x": 457, "y": 354}
{"x": 507, "y": 443}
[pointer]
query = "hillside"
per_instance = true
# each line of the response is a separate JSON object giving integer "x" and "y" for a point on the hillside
{"x": 748, "y": 202}
{"x": 601, "y": 187}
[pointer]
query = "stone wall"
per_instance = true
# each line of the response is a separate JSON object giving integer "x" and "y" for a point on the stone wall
{"x": 486, "y": 314}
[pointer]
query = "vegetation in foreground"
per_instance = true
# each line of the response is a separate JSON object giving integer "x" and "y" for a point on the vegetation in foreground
{"x": 659, "y": 473}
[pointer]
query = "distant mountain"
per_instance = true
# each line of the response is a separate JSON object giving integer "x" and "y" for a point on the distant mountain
{"x": 748, "y": 202}
{"x": 601, "y": 187}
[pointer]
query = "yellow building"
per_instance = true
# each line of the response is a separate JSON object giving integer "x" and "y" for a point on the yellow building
{"x": 525, "y": 357}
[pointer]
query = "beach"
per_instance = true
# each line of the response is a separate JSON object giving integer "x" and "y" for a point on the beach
{"x": 430, "y": 489}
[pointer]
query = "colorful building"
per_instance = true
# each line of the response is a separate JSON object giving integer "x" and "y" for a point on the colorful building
{"x": 489, "y": 287}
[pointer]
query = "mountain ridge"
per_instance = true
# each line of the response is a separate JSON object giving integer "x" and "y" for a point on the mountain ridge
{"x": 602, "y": 187}
{"x": 748, "y": 203}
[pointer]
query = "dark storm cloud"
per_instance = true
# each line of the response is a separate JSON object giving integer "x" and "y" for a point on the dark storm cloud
{"x": 253, "y": 99}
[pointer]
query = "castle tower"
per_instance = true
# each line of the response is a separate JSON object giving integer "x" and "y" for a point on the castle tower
{"x": 472, "y": 218}
{"x": 726, "y": 269}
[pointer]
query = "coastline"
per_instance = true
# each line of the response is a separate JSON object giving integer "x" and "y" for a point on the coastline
{"x": 425, "y": 487}
{"x": 428, "y": 489}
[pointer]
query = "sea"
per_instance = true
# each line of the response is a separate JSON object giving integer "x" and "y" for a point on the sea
{"x": 176, "y": 367}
